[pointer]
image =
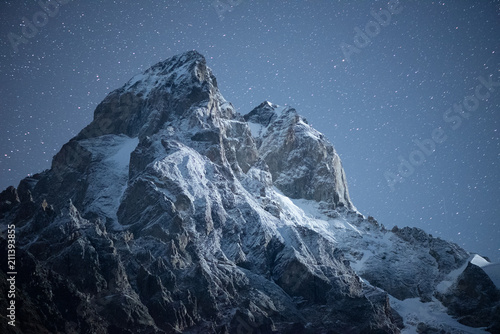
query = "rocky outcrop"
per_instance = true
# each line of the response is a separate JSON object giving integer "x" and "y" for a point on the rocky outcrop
{"x": 8, "y": 200}
{"x": 474, "y": 299}
{"x": 302, "y": 162}
{"x": 413, "y": 265}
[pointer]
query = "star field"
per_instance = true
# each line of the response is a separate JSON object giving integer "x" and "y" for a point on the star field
{"x": 373, "y": 106}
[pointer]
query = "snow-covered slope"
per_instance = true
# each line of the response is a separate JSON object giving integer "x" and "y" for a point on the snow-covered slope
{"x": 172, "y": 213}
{"x": 107, "y": 174}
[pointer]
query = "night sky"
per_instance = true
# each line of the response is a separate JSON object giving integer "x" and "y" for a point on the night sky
{"x": 384, "y": 82}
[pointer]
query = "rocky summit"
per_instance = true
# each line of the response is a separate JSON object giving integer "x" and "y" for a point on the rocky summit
{"x": 172, "y": 213}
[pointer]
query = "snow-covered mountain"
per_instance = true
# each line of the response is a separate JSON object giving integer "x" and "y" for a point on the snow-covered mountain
{"x": 171, "y": 213}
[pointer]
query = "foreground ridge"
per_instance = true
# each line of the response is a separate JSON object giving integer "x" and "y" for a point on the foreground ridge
{"x": 170, "y": 212}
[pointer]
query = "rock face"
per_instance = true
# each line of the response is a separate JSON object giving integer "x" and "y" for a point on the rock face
{"x": 302, "y": 163}
{"x": 172, "y": 213}
{"x": 474, "y": 298}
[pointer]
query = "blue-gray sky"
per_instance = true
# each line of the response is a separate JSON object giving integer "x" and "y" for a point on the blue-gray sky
{"x": 371, "y": 86}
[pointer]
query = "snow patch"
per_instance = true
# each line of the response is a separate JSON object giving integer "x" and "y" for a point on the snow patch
{"x": 479, "y": 261}
{"x": 108, "y": 173}
{"x": 255, "y": 129}
{"x": 121, "y": 158}
{"x": 432, "y": 314}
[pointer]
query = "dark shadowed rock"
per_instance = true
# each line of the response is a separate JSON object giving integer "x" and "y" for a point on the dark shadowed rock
{"x": 474, "y": 299}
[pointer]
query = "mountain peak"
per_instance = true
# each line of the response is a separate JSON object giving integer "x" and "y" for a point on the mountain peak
{"x": 188, "y": 68}
{"x": 166, "y": 90}
{"x": 186, "y": 59}
{"x": 171, "y": 212}
{"x": 263, "y": 114}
